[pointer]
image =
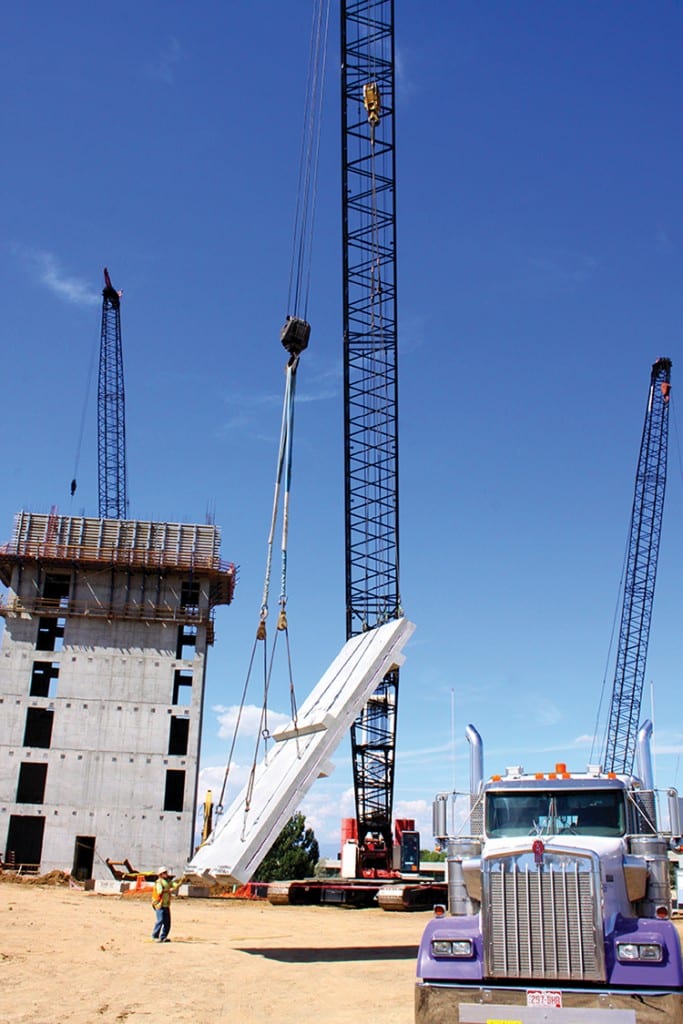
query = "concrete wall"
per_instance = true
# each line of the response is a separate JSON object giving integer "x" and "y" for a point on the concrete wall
{"x": 112, "y": 705}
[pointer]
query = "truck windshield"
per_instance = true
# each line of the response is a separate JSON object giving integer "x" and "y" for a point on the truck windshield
{"x": 581, "y": 813}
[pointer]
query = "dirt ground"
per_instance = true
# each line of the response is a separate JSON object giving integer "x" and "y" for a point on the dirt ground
{"x": 80, "y": 957}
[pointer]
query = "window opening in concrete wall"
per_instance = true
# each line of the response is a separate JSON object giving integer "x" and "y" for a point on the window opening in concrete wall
{"x": 187, "y": 642}
{"x": 56, "y": 588}
{"x": 175, "y": 788}
{"x": 84, "y": 855}
{"x": 31, "y": 788}
{"x": 38, "y": 730}
{"x": 178, "y": 735}
{"x": 50, "y": 634}
{"x": 25, "y": 841}
{"x": 189, "y": 594}
{"x": 44, "y": 679}
{"x": 182, "y": 688}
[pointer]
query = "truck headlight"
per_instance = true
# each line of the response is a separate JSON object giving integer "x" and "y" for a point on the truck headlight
{"x": 633, "y": 952}
{"x": 452, "y": 947}
{"x": 650, "y": 951}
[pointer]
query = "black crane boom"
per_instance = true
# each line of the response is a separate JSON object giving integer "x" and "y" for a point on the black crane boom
{"x": 640, "y": 576}
{"x": 370, "y": 391}
{"x": 111, "y": 404}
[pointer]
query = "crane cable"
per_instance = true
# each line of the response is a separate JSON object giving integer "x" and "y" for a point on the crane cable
{"x": 284, "y": 471}
{"x": 304, "y": 215}
{"x": 372, "y": 101}
{"x": 373, "y": 105}
{"x": 84, "y": 410}
{"x": 294, "y": 337}
{"x": 284, "y": 467}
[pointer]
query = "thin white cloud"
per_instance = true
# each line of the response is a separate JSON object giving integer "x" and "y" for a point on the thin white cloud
{"x": 45, "y": 267}
{"x": 163, "y": 68}
{"x": 246, "y": 410}
{"x": 427, "y": 753}
{"x": 324, "y": 811}
{"x": 323, "y": 395}
{"x": 405, "y": 81}
{"x": 563, "y": 269}
{"x": 250, "y": 720}
{"x": 670, "y": 747}
{"x": 258, "y": 400}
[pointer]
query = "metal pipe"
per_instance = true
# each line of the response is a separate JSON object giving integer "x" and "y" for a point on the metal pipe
{"x": 674, "y": 813}
{"x": 644, "y": 755}
{"x": 476, "y": 760}
{"x": 439, "y": 817}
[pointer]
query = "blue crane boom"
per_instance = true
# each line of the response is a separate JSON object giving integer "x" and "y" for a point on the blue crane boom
{"x": 111, "y": 421}
{"x": 370, "y": 393}
{"x": 640, "y": 577}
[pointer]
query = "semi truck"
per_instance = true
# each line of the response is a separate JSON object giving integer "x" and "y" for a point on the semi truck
{"x": 559, "y": 901}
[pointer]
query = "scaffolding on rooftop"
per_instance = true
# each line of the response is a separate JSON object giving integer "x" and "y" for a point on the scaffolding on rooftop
{"x": 119, "y": 544}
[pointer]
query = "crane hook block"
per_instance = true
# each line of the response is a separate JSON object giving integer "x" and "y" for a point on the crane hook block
{"x": 371, "y": 100}
{"x": 295, "y": 334}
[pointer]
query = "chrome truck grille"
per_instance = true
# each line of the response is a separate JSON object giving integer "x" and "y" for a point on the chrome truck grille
{"x": 543, "y": 921}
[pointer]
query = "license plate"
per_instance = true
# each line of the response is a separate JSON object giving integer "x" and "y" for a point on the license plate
{"x": 538, "y": 997}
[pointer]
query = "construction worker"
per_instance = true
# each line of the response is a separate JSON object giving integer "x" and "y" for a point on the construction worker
{"x": 162, "y": 891}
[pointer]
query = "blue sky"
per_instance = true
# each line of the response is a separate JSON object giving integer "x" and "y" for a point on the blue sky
{"x": 540, "y": 235}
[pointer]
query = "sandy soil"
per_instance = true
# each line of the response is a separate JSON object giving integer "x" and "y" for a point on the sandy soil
{"x": 80, "y": 957}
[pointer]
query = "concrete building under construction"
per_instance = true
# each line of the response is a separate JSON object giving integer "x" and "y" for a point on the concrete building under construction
{"x": 102, "y": 671}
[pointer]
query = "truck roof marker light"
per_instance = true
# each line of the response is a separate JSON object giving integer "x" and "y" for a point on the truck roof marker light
{"x": 662, "y": 913}
{"x": 565, "y": 775}
{"x": 538, "y": 775}
{"x": 552, "y": 775}
{"x": 495, "y": 778}
{"x": 611, "y": 775}
{"x": 439, "y": 910}
{"x": 561, "y": 768}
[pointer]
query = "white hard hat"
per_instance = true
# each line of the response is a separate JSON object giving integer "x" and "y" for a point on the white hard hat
{"x": 162, "y": 871}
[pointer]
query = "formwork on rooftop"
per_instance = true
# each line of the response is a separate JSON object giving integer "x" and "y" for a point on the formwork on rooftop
{"x": 124, "y": 547}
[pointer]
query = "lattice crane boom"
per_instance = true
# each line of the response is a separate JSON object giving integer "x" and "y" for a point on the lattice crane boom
{"x": 111, "y": 405}
{"x": 370, "y": 390}
{"x": 640, "y": 576}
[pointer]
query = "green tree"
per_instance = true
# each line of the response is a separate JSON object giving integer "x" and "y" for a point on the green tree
{"x": 432, "y": 855}
{"x": 294, "y": 854}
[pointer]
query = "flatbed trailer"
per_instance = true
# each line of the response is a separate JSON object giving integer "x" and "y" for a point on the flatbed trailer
{"x": 417, "y": 894}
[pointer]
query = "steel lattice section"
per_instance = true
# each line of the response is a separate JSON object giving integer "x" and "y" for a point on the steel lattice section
{"x": 370, "y": 384}
{"x": 111, "y": 428}
{"x": 640, "y": 578}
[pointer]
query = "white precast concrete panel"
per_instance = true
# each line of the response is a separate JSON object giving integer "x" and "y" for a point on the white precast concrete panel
{"x": 302, "y": 752}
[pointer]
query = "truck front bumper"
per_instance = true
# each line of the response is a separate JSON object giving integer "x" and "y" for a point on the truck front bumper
{"x": 455, "y": 1004}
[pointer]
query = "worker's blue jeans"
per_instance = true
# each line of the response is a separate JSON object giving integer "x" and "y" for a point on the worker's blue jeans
{"x": 163, "y": 923}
